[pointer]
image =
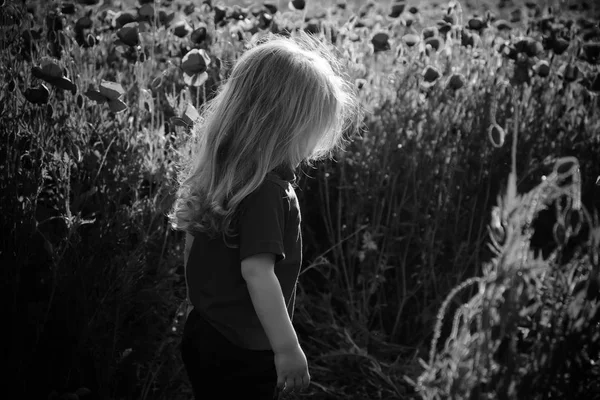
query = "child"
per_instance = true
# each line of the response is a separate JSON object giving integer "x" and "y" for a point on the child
{"x": 285, "y": 102}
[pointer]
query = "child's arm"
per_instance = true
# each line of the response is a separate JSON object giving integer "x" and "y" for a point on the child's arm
{"x": 189, "y": 239}
{"x": 265, "y": 291}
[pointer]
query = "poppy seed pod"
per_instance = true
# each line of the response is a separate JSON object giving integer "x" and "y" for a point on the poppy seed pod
{"x": 496, "y": 135}
{"x": 380, "y": 42}
{"x": 430, "y": 74}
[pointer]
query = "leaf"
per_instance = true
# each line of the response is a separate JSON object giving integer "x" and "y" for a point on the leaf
{"x": 190, "y": 115}
{"x": 116, "y": 105}
{"x": 111, "y": 90}
{"x": 179, "y": 122}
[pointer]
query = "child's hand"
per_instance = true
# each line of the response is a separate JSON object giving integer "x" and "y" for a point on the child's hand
{"x": 292, "y": 369}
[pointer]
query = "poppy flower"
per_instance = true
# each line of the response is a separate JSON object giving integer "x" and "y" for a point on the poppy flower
{"x": 220, "y": 13}
{"x": 449, "y": 18}
{"x": 312, "y": 26}
{"x": 591, "y": 51}
{"x": 264, "y": 20}
{"x": 380, "y": 42}
{"x": 129, "y": 34}
{"x": 164, "y": 18}
{"x": 435, "y": 42}
{"x": 503, "y": 25}
{"x": 199, "y": 35}
{"x": 360, "y": 83}
{"x": 476, "y": 24}
{"x": 67, "y": 9}
{"x": 467, "y": 38}
{"x": 146, "y": 12}
{"x": 413, "y": 10}
{"x": 109, "y": 92}
{"x": 569, "y": 72}
{"x": 560, "y": 46}
{"x": 456, "y": 81}
{"x": 341, "y": 4}
{"x": 38, "y": 95}
{"x": 496, "y": 135}
{"x": 529, "y": 46}
{"x": 188, "y": 118}
{"x": 410, "y": 39}
{"x": 181, "y": 28}
{"x": 123, "y": 18}
{"x": 431, "y": 74}
{"x": 444, "y": 27}
{"x": 542, "y": 68}
{"x": 52, "y": 73}
{"x": 83, "y": 23}
{"x": 430, "y": 31}
{"x": 270, "y": 6}
{"x": 397, "y": 8}
{"x": 297, "y": 5}
{"x": 194, "y": 65}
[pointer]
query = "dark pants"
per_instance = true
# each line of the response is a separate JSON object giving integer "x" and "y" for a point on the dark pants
{"x": 218, "y": 369}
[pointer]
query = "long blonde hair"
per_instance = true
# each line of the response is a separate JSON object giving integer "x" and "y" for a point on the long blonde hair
{"x": 283, "y": 92}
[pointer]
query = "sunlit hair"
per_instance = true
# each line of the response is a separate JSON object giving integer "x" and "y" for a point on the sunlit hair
{"x": 282, "y": 93}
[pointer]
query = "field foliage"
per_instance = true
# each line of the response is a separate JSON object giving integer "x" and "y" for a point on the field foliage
{"x": 452, "y": 251}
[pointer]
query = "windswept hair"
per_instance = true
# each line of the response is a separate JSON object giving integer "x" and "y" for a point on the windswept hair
{"x": 282, "y": 93}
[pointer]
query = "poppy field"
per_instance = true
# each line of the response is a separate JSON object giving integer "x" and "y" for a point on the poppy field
{"x": 452, "y": 251}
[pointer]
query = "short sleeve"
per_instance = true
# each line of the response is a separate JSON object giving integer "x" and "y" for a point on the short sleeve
{"x": 262, "y": 222}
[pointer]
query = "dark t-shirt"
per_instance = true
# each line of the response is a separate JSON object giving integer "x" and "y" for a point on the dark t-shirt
{"x": 269, "y": 222}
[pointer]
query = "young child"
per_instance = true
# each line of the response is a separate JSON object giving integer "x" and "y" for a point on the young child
{"x": 285, "y": 102}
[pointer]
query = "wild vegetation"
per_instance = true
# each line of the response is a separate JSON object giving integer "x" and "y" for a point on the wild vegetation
{"x": 451, "y": 252}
